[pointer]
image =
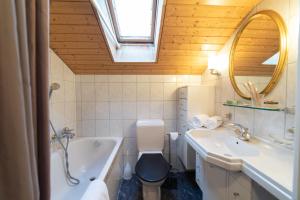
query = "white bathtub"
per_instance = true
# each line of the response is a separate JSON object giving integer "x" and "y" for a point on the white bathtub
{"x": 88, "y": 157}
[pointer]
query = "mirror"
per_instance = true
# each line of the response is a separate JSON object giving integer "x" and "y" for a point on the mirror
{"x": 258, "y": 53}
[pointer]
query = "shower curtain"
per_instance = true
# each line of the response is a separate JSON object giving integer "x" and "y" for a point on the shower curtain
{"x": 24, "y": 138}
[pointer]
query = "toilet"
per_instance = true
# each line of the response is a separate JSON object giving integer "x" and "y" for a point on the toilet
{"x": 151, "y": 168}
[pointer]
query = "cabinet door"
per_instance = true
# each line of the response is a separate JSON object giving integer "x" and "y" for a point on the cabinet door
{"x": 215, "y": 183}
{"x": 239, "y": 194}
{"x": 239, "y": 186}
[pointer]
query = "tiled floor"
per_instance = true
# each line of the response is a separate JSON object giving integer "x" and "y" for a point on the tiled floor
{"x": 178, "y": 186}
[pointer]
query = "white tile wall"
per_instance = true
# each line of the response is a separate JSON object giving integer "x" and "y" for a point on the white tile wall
{"x": 102, "y": 110}
{"x": 109, "y": 105}
{"x": 63, "y": 101}
{"x": 264, "y": 123}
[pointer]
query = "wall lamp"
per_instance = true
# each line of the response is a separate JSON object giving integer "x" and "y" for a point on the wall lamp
{"x": 213, "y": 63}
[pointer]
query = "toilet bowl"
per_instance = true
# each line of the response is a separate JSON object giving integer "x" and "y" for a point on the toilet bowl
{"x": 152, "y": 169}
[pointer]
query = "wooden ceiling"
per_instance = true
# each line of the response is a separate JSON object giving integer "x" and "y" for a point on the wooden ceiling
{"x": 192, "y": 29}
{"x": 259, "y": 41}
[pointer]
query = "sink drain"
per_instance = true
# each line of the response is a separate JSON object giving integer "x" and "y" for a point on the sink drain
{"x": 92, "y": 178}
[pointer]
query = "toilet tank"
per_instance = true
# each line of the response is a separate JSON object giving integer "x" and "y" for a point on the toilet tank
{"x": 150, "y": 135}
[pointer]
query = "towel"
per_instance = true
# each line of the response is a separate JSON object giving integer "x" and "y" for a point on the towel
{"x": 198, "y": 121}
{"x": 97, "y": 190}
{"x": 213, "y": 122}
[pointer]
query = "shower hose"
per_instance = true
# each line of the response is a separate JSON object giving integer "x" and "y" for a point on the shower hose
{"x": 70, "y": 179}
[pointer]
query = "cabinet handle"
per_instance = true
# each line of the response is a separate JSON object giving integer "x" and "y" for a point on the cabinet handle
{"x": 236, "y": 194}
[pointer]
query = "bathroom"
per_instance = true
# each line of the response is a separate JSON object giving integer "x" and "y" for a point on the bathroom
{"x": 149, "y": 99}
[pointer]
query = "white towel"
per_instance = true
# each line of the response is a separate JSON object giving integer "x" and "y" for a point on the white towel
{"x": 213, "y": 122}
{"x": 198, "y": 121}
{"x": 97, "y": 190}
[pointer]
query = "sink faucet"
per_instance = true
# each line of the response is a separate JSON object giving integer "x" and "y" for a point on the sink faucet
{"x": 242, "y": 131}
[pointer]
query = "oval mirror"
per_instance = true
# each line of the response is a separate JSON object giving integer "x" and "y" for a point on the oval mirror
{"x": 258, "y": 53}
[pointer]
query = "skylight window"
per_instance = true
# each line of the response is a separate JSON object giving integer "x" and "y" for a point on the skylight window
{"x": 273, "y": 60}
{"x": 133, "y": 20}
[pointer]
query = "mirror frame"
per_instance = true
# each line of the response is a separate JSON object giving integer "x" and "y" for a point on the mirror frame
{"x": 282, "y": 49}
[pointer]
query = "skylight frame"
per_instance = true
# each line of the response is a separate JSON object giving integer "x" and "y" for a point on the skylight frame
{"x": 133, "y": 40}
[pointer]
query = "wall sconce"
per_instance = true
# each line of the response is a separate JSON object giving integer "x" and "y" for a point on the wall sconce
{"x": 213, "y": 64}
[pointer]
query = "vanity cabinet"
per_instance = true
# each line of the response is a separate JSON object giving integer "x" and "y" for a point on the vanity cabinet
{"x": 217, "y": 183}
{"x": 239, "y": 186}
{"x": 246, "y": 170}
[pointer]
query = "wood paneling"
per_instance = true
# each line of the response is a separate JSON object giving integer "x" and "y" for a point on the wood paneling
{"x": 192, "y": 29}
{"x": 62, "y": 7}
{"x": 75, "y": 29}
{"x": 73, "y": 19}
{"x": 64, "y": 37}
{"x": 258, "y": 42}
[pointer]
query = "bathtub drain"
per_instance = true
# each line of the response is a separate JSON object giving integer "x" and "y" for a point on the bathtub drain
{"x": 92, "y": 178}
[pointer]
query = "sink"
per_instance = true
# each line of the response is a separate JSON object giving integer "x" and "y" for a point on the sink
{"x": 267, "y": 164}
{"x": 240, "y": 148}
{"x": 226, "y": 144}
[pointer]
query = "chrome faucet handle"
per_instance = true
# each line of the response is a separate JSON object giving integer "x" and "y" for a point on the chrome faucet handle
{"x": 67, "y": 132}
{"x": 245, "y": 136}
{"x": 67, "y": 129}
{"x": 245, "y": 130}
{"x": 234, "y": 125}
{"x": 242, "y": 131}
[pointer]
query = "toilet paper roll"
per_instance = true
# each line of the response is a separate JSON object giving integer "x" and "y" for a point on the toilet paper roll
{"x": 174, "y": 135}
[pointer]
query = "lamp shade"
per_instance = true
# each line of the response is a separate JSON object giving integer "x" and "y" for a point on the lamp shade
{"x": 212, "y": 62}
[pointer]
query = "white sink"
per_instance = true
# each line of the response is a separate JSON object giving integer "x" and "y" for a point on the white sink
{"x": 269, "y": 165}
{"x": 240, "y": 148}
{"x": 225, "y": 143}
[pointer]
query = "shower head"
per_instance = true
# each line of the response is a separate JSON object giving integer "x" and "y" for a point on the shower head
{"x": 53, "y": 86}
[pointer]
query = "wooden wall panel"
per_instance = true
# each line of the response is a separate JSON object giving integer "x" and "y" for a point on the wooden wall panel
{"x": 192, "y": 30}
{"x": 73, "y": 19}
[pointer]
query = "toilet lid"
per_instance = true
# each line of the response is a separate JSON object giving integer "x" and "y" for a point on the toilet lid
{"x": 152, "y": 168}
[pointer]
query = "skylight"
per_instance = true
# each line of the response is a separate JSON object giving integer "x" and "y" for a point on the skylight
{"x": 273, "y": 60}
{"x": 133, "y": 20}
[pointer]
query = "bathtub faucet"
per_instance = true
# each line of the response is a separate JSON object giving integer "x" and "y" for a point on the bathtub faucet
{"x": 66, "y": 133}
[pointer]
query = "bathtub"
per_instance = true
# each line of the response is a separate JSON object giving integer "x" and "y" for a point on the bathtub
{"x": 89, "y": 158}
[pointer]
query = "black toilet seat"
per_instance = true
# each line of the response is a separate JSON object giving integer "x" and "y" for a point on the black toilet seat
{"x": 152, "y": 168}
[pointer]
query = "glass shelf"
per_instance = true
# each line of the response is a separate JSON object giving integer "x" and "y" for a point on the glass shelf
{"x": 271, "y": 108}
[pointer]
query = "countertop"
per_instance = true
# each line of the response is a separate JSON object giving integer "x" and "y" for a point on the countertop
{"x": 269, "y": 165}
